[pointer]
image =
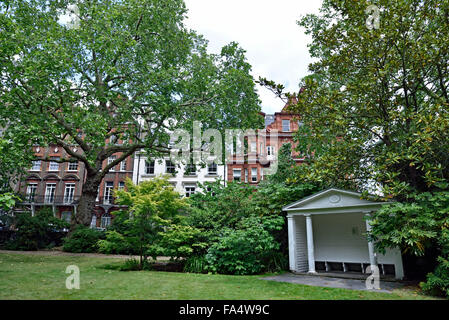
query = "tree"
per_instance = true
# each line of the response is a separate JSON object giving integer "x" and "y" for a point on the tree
{"x": 376, "y": 104}
{"x": 152, "y": 205}
{"x": 375, "y": 110}
{"x": 125, "y": 71}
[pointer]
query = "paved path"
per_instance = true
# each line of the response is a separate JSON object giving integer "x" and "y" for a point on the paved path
{"x": 70, "y": 254}
{"x": 321, "y": 281}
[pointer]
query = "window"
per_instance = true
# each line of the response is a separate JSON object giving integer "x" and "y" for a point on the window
{"x": 254, "y": 174}
{"x": 93, "y": 222}
{"x": 98, "y": 194}
{"x": 169, "y": 167}
{"x": 73, "y": 166}
{"x": 54, "y": 166}
{"x": 246, "y": 175}
{"x": 36, "y": 165}
{"x": 123, "y": 165}
{"x": 66, "y": 216}
{"x": 108, "y": 186}
{"x": 31, "y": 191}
{"x": 111, "y": 159}
{"x": 190, "y": 170}
{"x": 261, "y": 148}
{"x": 253, "y": 148}
{"x": 270, "y": 151}
{"x": 69, "y": 193}
{"x": 121, "y": 185}
{"x": 212, "y": 169}
{"x": 50, "y": 189}
{"x": 286, "y": 125}
{"x": 105, "y": 221}
{"x": 113, "y": 139}
{"x": 237, "y": 174}
{"x": 189, "y": 191}
{"x": 149, "y": 167}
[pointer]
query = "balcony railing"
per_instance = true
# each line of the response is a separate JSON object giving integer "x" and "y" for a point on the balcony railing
{"x": 50, "y": 200}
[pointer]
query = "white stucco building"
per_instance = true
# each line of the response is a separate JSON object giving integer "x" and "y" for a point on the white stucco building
{"x": 327, "y": 232}
{"x": 185, "y": 179}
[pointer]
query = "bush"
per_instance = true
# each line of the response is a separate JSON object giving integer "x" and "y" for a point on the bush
{"x": 115, "y": 243}
{"x": 38, "y": 232}
{"x": 83, "y": 239}
{"x": 249, "y": 250}
{"x": 196, "y": 264}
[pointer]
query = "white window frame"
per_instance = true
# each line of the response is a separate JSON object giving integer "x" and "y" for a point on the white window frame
{"x": 50, "y": 192}
{"x": 31, "y": 191}
{"x": 212, "y": 169}
{"x": 239, "y": 176}
{"x": 53, "y": 166}
{"x": 253, "y": 175}
{"x": 69, "y": 193}
{"x": 149, "y": 166}
{"x": 289, "y": 125}
{"x": 34, "y": 166}
{"x": 169, "y": 164}
{"x": 73, "y": 164}
{"x": 111, "y": 159}
{"x": 123, "y": 165}
{"x": 270, "y": 150}
{"x": 121, "y": 185}
{"x": 108, "y": 195}
{"x": 105, "y": 221}
{"x": 189, "y": 190}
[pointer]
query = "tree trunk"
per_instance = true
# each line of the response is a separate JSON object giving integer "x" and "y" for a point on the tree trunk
{"x": 86, "y": 204}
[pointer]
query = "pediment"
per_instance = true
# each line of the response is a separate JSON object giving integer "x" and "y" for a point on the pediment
{"x": 331, "y": 198}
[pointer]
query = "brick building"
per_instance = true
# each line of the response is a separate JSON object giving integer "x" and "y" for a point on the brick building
{"x": 59, "y": 185}
{"x": 264, "y": 145}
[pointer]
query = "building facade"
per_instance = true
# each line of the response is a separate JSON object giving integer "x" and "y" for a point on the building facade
{"x": 59, "y": 185}
{"x": 186, "y": 179}
{"x": 263, "y": 147}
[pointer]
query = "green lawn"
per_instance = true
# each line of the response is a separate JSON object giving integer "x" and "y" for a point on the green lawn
{"x": 43, "y": 277}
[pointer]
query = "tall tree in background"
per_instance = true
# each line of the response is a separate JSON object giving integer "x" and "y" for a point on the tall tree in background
{"x": 382, "y": 91}
{"x": 124, "y": 69}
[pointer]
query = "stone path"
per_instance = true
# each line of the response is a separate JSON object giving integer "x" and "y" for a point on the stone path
{"x": 344, "y": 283}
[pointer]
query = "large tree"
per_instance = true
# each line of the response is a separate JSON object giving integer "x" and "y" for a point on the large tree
{"x": 127, "y": 70}
{"x": 375, "y": 106}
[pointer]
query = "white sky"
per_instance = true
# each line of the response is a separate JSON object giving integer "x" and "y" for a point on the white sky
{"x": 276, "y": 46}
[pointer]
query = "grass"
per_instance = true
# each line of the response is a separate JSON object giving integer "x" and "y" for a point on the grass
{"x": 43, "y": 277}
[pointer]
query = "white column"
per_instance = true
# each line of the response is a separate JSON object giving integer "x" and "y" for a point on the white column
{"x": 310, "y": 249}
{"x": 372, "y": 255}
{"x": 291, "y": 242}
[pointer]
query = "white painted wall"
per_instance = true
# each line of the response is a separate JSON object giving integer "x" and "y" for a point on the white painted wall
{"x": 180, "y": 181}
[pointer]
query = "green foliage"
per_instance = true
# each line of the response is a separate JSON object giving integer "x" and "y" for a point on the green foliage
{"x": 246, "y": 250}
{"x": 375, "y": 106}
{"x": 152, "y": 205}
{"x": 415, "y": 226}
{"x": 178, "y": 241}
{"x": 7, "y": 201}
{"x": 83, "y": 239}
{"x": 115, "y": 243}
{"x": 127, "y": 68}
{"x": 196, "y": 264}
{"x": 38, "y": 232}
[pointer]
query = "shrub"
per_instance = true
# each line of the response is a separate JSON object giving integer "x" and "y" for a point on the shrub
{"x": 38, "y": 232}
{"x": 196, "y": 264}
{"x": 115, "y": 243}
{"x": 248, "y": 250}
{"x": 83, "y": 239}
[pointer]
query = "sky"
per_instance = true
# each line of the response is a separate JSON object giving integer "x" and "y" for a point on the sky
{"x": 275, "y": 45}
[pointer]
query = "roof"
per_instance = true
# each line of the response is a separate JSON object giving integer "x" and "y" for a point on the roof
{"x": 333, "y": 201}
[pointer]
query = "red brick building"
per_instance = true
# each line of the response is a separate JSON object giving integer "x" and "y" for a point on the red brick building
{"x": 59, "y": 185}
{"x": 263, "y": 146}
